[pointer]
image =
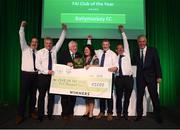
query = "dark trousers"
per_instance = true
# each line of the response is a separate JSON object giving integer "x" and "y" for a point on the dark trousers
{"x": 43, "y": 87}
{"x": 67, "y": 103}
{"x": 152, "y": 89}
{"x": 109, "y": 102}
{"x": 124, "y": 86}
{"x": 28, "y": 88}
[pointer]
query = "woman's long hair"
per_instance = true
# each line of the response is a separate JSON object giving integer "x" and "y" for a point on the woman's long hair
{"x": 90, "y": 47}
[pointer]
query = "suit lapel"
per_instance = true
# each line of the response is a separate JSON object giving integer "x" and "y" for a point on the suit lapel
{"x": 138, "y": 55}
{"x": 76, "y": 55}
{"x": 69, "y": 55}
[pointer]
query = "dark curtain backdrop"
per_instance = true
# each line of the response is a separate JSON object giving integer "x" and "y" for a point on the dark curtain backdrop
{"x": 162, "y": 23}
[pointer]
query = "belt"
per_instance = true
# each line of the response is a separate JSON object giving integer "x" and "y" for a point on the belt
{"x": 125, "y": 76}
{"x": 46, "y": 75}
{"x": 30, "y": 72}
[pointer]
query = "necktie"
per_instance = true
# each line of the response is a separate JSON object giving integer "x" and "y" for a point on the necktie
{"x": 120, "y": 67}
{"x": 50, "y": 61}
{"x": 34, "y": 59}
{"x": 73, "y": 56}
{"x": 142, "y": 58}
{"x": 102, "y": 59}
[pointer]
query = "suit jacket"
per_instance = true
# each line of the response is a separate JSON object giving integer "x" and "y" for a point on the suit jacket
{"x": 151, "y": 69}
{"x": 65, "y": 57}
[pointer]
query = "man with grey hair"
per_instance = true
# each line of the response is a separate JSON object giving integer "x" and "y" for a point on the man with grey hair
{"x": 46, "y": 57}
{"x": 149, "y": 74}
{"x": 66, "y": 58}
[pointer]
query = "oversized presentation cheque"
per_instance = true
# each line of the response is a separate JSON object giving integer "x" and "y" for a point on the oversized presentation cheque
{"x": 92, "y": 82}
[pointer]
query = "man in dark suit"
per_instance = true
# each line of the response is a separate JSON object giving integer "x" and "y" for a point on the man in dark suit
{"x": 148, "y": 75}
{"x": 66, "y": 58}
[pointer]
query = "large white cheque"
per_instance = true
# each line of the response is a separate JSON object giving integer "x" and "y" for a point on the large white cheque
{"x": 93, "y": 82}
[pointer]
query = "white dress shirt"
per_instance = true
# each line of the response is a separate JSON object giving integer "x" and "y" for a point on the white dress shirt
{"x": 126, "y": 60}
{"x": 110, "y": 57}
{"x": 42, "y": 57}
{"x": 144, "y": 53}
{"x": 72, "y": 54}
{"x": 27, "y": 53}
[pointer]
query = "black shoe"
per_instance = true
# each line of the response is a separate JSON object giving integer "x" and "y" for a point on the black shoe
{"x": 50, "y": 117}
{"x": 125, "y": 117}
{"x": 65, "y": 117}
{"x": 71, "y": 116}
{"x": 118, "y": 116}
{"x": 85, "y": 115}
{"x": 90, "y": 118}
{"x": 40, "y": 119}
{"x": 138, "y": 118}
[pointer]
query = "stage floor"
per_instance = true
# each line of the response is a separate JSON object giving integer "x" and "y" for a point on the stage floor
{"x": 170, "y": 120}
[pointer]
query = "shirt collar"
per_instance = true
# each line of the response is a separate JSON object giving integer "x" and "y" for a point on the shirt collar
{"x": 35, "y": 50}
{"x": 71, "y": 52}
{"x": 124, "y": 54}
{"x": 144, "y": 50}
{"x": 48, "y": 50}
{"x": 106, "y": 51}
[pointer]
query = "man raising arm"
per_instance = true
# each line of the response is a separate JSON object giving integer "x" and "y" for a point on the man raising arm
{"x": 28, "y": 76}
{"x": 46, "y": 57}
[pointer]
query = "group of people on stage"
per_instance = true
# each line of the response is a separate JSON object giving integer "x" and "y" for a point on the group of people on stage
{"x": 36, "y": 71}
